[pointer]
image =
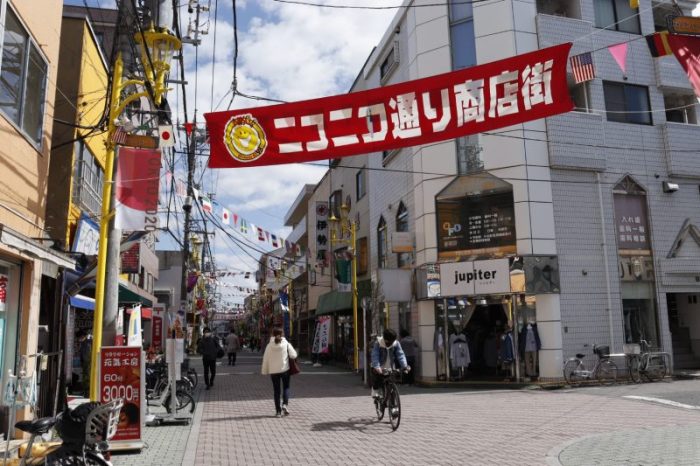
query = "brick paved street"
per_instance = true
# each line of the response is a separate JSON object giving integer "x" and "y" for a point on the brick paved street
{"x": 332, "y": 422}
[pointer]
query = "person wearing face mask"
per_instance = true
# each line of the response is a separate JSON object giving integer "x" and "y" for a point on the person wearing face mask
{"x": 209, "y": 348}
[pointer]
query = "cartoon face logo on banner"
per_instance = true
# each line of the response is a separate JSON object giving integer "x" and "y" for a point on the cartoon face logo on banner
{"x": 245, "y": 138}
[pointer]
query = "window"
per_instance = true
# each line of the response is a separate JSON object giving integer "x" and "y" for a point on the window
{"x": 405, "y": 317}
{"x": 627, "y": 103}
{"x": 404, "y": 258}
{"x": 88, "y": 179}
{"x": 566, "y": 8}
{"x": 579, "y": 94}
{"x": 462, "y": 35}
{"x": 360, "y": 184}
{"x": 617, "y": 15}
{"x": 381, "y": 243}
{"x": 334, "y": 203}
{"x": 681, "y": 108}
{"x": 22, "y": 79}
{"x": 390, "y": 63}
{"x": 362, "y": 253}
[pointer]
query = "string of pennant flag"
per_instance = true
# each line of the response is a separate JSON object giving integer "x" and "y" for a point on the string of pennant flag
{"x": 685, "y": 48}
{"x": 233, "y": 220}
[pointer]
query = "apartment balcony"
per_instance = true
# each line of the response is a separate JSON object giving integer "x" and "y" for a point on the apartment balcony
{"x": 555, "y": 29}
{"x": 298, "y": 232}
{"x": 670, "y": 74}
{"x": 682, "y": 150}
{"x": 572, "y": 141}
{"x": 87, "y": 198}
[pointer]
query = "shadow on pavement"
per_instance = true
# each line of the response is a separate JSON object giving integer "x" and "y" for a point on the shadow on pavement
{"x": 364, "y": 425}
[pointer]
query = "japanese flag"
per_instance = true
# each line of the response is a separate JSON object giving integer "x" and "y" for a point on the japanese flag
{"x": 225, "y": 216}
{"x": 167, "y": 138}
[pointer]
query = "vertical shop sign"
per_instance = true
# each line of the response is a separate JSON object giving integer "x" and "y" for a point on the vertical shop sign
{"x": 631, "y": 222}
{"x": 157, "y": 333}
{"x": 120, "y": 377}
{"x": 4, "y": 285}
{"x": 322, "y": 237}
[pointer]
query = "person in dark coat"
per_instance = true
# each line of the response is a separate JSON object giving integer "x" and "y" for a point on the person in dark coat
{"x": 85, "y": 349}
{"x": 209, "y": 348}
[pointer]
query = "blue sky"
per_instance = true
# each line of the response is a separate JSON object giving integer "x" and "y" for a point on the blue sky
{"x": 287, "y": 52}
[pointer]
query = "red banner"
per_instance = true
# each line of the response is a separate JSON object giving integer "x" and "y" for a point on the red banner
{"x": 477, "y": 99}
{"x": 120, "y": 377}
{"x": 136, "y": 189}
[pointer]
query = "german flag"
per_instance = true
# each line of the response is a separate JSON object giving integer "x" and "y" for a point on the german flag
{"x": 658, "y": 44}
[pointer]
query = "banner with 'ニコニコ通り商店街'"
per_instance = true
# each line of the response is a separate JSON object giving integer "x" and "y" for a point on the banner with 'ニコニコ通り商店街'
{"x": 473, "y": 100}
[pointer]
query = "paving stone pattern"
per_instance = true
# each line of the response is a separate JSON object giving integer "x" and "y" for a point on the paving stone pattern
{"x": 332, "y": 422}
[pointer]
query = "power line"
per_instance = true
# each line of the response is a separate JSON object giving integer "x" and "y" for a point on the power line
{"x": 387, "y": 7}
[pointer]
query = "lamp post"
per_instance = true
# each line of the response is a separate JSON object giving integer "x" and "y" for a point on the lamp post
{"x": 344, "y": 226}
{"x": 159, "y": 54}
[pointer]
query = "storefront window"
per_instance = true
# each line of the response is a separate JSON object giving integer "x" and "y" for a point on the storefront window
{"x": 639, "y": 313}
{"x": 405, "y": 317}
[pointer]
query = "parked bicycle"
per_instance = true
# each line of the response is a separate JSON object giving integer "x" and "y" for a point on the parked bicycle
{"x": 84, "y": 431}
{"x": 651, "y": 365}
{"x": 604, "y": 370}
{"x": 389, "y": 398}
{"x": 158, "y": 390}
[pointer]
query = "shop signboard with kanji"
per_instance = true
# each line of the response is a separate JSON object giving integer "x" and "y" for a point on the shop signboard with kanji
{"x": 323, "y": 240}
{"x": 121, "y": 376}
{"x": 473, "y": 100}
{"x": 631, "y": 221}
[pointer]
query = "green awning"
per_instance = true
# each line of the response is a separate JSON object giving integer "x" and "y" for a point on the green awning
{"x": 334, "y": 302}
{"x": 128, "y": 296}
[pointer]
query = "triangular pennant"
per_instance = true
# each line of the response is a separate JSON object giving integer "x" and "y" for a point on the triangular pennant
{"x": 619, "y": 53}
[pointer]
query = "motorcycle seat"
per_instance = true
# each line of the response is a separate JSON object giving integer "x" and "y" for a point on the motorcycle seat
{"x": 580, "y": 356}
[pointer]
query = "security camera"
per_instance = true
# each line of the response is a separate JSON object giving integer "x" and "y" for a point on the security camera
{"x": 669, "y": 187}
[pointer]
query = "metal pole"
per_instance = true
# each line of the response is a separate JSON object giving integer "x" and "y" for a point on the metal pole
{"x": 605, "y": 263}
{"x": 353, "y": 237}
{"x": 186, "y": 234}
{"x": 364, "y": 338}
{"x": 446, "y": 342}
{"x": 106, "y": 214}
{"x": 515, "y": 338}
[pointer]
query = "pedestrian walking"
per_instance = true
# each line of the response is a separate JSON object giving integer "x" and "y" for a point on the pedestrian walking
{"x": 409, "y": 346}
{"x": 276, "y": 358}
{"x": 209, "y": 348}
{"x": 233, "y": 344}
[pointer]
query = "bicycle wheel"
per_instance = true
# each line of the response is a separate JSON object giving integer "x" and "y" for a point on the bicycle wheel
{"x": 192, "y": 375}
{"x": 633, "y": 366}
{"x": 572, "y": 372}
{"x": 606, "y": 372}
{"x": 184, "y": 402}
{"x": 394, "y": 405}
{"x": 379, "y": 408}
{"x": 655, "y": 367}
{"x": 185, "y": 385}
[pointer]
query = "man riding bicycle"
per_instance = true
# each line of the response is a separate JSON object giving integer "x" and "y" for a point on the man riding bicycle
{"x": 386, "y": 355}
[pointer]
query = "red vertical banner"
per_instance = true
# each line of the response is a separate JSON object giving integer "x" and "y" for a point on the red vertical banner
{"x": 157, "y": 335}
{"x": 120, "y": 377}
{"x": 446, "y": 106}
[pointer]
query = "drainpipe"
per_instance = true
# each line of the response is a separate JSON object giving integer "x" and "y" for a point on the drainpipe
{"x": 605, "y": 262}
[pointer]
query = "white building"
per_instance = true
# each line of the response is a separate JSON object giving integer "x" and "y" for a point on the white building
{"x": 562, "y": 191}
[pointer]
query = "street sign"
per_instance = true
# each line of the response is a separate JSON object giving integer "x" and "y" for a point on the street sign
{"x": 687, "y": 25}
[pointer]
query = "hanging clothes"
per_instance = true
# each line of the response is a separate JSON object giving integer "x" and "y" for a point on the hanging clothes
{"x": 507, "y": 354}
{"x": 459, "y": 352}
{"x": 530, "y": 330}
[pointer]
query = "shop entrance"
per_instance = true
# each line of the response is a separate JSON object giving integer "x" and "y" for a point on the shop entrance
{"x": 474, "y": 339}
{"x": 684, "y": 323}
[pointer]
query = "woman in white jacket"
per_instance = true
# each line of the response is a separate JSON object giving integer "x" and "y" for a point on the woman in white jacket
{"x": 276, "y": 363}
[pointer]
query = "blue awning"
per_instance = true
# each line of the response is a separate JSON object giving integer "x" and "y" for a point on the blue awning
{"x": 82, "y": 302}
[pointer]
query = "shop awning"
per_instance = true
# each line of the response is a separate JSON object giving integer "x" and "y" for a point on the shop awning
{"x": 334, "y": 302}
{"x": 82, "y": 302}
{"x": 129, "y": 295}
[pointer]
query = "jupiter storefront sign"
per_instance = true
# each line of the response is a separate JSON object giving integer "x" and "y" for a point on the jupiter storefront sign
{"x": 473, "y": 100}
{"x": 475, "y": 278}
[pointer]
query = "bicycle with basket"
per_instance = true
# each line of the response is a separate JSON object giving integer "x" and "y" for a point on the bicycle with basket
{"x": 604, "y": 370}
{"x": 646, "y": 362}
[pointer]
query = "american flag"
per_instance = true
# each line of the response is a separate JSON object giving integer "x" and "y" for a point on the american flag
{"x": 582, "y": 66}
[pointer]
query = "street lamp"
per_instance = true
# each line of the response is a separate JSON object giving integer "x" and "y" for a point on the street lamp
{"x": 344, "y": 225}
{"x": 156, "y": 56}
{"x": 160, "y": 49}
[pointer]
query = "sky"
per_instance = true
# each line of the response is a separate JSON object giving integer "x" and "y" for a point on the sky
{"x": 286, "y": 52}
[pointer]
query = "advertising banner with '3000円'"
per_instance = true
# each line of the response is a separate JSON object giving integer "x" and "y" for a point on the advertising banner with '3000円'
{"x": 481, "y": 98}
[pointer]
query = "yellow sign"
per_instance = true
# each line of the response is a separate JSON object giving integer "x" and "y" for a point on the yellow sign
{"x": 245, "y": 138}
{"x": 689, "y": 25}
